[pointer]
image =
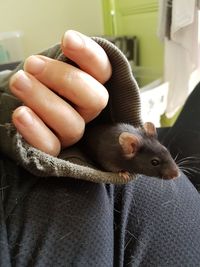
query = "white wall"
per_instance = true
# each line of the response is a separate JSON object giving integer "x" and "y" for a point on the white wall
{"x": 44, "y": 21}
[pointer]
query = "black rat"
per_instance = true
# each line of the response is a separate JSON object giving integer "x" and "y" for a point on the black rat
{"x": 125, "y": 149}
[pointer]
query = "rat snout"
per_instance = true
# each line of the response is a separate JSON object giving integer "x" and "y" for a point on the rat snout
{"x": 171, "y": 173}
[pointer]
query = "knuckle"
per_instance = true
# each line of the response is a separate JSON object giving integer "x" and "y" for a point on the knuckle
{"x": 74, "y": 134}
{"x": 100, "y": 102}
{"x": 35, "y": 64}
{"x": 53, "y": 147}
{"x": 78, "y": 130}
{"x": 71, "y": 75}
{"x": 94, "y": 109}
{"x": 67, "y": 80}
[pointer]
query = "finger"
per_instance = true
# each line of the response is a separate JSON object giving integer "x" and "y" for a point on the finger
{"x": 53, "y": 110}
{"x": 86, "y": 53}
{"x": 87, "y": 94}
{"x": 35, "y": 132}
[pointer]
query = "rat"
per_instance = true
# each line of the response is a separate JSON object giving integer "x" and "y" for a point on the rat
{"x": 125, "y": 149}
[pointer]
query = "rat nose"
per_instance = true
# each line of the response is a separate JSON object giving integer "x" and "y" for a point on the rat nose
{"x": 171, "y": 174}
{"x": 174, "y": 173}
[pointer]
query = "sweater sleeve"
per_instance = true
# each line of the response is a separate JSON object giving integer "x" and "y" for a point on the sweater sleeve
{"x": 123, "y": 106}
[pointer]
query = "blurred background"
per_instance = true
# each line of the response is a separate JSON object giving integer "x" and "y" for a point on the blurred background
{"x": 42, "y": 23}
{"x": 140, "y": 28}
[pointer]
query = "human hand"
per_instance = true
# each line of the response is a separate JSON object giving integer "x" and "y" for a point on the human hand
{"x": 60, "y": 98}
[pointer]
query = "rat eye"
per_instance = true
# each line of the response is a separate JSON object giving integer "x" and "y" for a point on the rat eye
{"x": 155, "y": 162}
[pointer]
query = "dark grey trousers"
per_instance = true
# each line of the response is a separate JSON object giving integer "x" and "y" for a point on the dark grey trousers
{"x": 48, "y": 222}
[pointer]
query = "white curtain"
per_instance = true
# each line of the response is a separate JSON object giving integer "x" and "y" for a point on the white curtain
{"x": 178, "y": 28}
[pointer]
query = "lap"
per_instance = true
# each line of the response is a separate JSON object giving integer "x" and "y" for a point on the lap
{"x": 55, "y": 222}
{"x": 160, "y": 222}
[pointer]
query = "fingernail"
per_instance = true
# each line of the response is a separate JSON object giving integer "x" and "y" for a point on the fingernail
{"x": 72, "y": 40}
{"x": 24, "y": 117}
{"x": 34, "y": 65}
{"x": 21, "y": 81}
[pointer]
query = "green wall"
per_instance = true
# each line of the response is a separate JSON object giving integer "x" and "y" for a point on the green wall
{"x": 139, "y": 18}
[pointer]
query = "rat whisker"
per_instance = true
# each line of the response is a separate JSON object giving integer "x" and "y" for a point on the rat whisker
{"x": 175, "y": 158}
{"x": 189, "y": 167}
{"x": 194, "y": 170}
{"x": 190, "y": 163}
{"x": 185, "y": 164}
{"x": 189, "y": 157}
{"x": 188, "y": 160}
{"x": 193, "y": 157}
{"x": 190, "y": 170}
{"x": 185, "y": 171}
{"x": 183, "y": 167}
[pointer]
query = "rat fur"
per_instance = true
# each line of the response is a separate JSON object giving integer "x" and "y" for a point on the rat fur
{"x": 125, "y": 149}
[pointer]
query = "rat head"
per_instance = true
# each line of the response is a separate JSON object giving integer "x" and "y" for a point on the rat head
{"x": 144, "y": 154}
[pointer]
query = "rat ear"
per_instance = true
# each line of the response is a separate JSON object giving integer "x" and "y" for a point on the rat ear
{"x": 150, "y": 129}
{"x": 130, "y": 144}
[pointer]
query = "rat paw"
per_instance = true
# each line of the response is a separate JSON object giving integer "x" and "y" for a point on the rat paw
{"x": 124, "y": 174}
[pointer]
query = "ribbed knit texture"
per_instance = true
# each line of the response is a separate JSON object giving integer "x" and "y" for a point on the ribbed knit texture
{"x": 123, "y": 89}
